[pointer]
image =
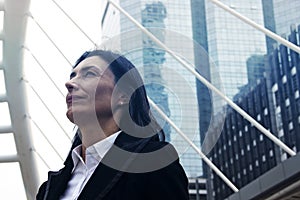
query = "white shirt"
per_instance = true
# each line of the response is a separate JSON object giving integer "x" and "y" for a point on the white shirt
{"x": 82, "y": 171}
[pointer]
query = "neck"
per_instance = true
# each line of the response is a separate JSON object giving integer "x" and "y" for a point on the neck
{"x": 95, "y": 132}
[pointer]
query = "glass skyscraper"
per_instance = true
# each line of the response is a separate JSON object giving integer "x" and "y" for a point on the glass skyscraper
{"x": 242, "y": 152}
{"x": 286, "y": 12}
{"x": 168, "y": 83}
{"x": 231, "y": 42}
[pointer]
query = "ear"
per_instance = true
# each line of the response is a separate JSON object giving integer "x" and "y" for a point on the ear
{"x": 123, "y": 100}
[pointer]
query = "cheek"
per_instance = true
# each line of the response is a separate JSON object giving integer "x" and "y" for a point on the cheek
{"x": 103, "y": 97}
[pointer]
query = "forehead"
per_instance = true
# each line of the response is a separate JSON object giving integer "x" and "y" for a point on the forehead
{"x": 93, "y": 61}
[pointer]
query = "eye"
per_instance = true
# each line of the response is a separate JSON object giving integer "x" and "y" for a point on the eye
{"x": 72, "y": 75}
{"x": 90, "y": 74}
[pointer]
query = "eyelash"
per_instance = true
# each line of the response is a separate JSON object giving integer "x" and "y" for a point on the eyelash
{"x": 87, "y": 73}
{"x": 90, "y": 72}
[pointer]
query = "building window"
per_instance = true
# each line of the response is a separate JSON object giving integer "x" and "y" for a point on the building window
{"x": 287, "y": 102}
{"x": 293, "y": 71}
{"x": 291, "y": 127}
{"x": 266, "y": 111}
{"x": 254, "y": 143}
{"x": 256, "y": 163}
{"x": 258, "y": 117}
{"x": 283, "y": 157}
{"x": 271, "y": 153}
{"x": 284, "y": 79}
{"x": 240, "y": 133}
{"x": 248, "y": 147}
{"x": 261, "y": 137}
{"x": 297, "y": 94}
{"x": 278, "y": 110}
{"x": 236, "y": 156}
{"x": 275, "y": 88}
{"x": 263, "y": 158}
{"x": 280, "y": 133}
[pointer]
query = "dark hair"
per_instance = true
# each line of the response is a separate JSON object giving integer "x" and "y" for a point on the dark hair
{"x": 139, "y": 108}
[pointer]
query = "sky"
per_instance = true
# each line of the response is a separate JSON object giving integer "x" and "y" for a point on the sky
{"x": 41, "y": 61}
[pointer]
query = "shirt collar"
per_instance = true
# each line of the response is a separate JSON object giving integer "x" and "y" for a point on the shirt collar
{"x": 97, "y": 150}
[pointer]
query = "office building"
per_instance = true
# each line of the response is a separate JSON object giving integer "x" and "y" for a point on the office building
{"x": 286, "y": 12}
{"x": 242, "y": 152}
{"x": 231, "y": 42}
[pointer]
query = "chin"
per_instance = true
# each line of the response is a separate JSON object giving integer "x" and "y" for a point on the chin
{"x": 69, "y": 115}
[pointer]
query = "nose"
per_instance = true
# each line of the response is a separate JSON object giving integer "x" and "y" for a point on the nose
{"x": 71, "y": 85}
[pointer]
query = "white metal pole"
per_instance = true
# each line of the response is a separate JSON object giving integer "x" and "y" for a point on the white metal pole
{"x": 14, "y": 27}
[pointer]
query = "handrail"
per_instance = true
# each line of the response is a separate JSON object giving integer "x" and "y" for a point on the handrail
{"x": 3, "y": 98}
{"x": 6, "y": 129}
{"x": 9, "y": 158}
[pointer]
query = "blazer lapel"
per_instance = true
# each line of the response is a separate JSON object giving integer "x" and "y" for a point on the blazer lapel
{"x": 112, "y": 166}
{"x": 57, "y": 182}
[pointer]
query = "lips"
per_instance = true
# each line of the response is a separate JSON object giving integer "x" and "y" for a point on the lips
{"x": 71, "y": 98}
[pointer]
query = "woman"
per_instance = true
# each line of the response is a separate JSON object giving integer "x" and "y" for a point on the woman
{"x": 116, "y": 152}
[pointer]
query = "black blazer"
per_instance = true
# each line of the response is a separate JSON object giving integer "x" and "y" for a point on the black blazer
{"x": 109, "y": 182}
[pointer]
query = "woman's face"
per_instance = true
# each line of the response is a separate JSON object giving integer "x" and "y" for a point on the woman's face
{"x": 90, "y": 90}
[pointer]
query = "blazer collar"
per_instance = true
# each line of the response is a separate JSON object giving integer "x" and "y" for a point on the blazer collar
{"x": 58, "y": 181}
{"x": 113, "y": 165}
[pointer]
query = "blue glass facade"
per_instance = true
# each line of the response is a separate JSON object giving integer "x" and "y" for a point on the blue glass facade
{"x": 286, "y": 12}
{"x": 231, "y": 42}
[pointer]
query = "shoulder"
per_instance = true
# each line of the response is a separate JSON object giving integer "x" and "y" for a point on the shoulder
{"x": 157, "y": 165}
{"x": 169, "y": 179}
{"x": 158, "y": 157}
{"x": 141, "y": 155}
{"x": 161, "y": 149}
